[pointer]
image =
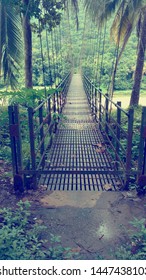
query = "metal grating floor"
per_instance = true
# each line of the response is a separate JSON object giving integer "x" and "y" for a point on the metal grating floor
{"x": 74, "y": 155}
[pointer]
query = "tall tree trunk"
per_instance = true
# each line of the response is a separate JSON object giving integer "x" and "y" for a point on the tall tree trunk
{"x": 27, "y": 46}
{"x": 134, "y": 101}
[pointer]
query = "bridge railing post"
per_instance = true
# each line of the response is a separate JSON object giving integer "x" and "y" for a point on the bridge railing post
{"x": 88, "y": 90}
{"x": 16, "y": 146}
{"x": 106, "y": 113}
{"x": 100, "y": 109}
{"x": 32, "y": 144}
{"x": 92, "y": 98}
{"x": 15, "y": 138}
{"x": 96, "y": 104}
{"x": 129, "y": 147}
{"x": 118, "y": 131}
{"x": 54, "y": 103}
{"x": 42, "y": 147}
{"x": 142, "y": 145}
{"x": 49, "y": 110}
{"x": 60, "y": 102}
{"x": 57, "y": 101}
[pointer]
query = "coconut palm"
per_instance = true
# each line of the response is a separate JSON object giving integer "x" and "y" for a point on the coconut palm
{"x": 27, "y": 35}
{"x": 128, "y": 15}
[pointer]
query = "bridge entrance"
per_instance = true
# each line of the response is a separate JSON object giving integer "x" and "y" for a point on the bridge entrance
{"x": 76, "y": 146}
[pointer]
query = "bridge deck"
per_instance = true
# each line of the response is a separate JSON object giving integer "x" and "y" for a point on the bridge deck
{"x": 78, "y": 146}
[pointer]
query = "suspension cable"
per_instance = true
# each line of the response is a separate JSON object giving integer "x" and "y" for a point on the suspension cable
{"x": 61, "y": 54}
{"x": 103, "y": 48}
{"x": 53, "y": 57}
{"x": 82, "y": 51}
{"x": 42, "y": 58}
{"x": 98, "y": 57}
{"x": 49, "y": 58}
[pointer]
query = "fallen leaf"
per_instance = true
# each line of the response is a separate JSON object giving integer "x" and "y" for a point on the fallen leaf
{"x": 75, "y": 250}
{"x": 73, "y": 156}
{"x": 100, "y": 151}
{"x": 107, "y": 187}
{"x": 100, "y": 145}
{"x": 39, "y": 221}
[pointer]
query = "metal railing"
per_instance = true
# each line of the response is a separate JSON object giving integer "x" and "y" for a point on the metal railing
{"x": 118, "y": 138}
{"x": 40, "y": 125}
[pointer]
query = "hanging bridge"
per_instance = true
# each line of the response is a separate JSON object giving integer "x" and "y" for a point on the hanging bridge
{"x": 74, "y": 143}
{"x": 76, "y": 138}
{"x": 78, "y": 154}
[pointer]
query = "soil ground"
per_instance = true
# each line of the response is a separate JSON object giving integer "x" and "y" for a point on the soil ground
{"x": 91, "y": 223}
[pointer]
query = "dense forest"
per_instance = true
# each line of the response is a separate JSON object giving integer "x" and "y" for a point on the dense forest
{"x": 57, "y": 45}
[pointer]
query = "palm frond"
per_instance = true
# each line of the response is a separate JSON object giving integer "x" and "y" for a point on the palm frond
{"x": 9, "y": 69}
{"x": 100, "y": 10}
{"x": 75, "y": 6}
{"x": 10, "y": 41}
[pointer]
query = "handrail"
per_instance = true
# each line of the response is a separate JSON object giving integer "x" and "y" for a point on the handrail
{"x": 39, "y": 131}
{"x": 50, "y": 96}
{"x": 106, "y": 96}
{"x": 102, "y": 112}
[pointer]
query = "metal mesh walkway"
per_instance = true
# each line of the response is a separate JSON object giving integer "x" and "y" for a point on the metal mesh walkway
{"x": 78, "y": 153}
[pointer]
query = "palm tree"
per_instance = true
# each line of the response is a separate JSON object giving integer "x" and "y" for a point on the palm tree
{"x": 128, "y": 15}
{"x": 140, "y": 58}
{"x": 27, "y": 33}
{"x": 10, "y": 43}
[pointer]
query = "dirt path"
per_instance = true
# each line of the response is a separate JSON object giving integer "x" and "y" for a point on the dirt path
{"x": 92, "y": 223}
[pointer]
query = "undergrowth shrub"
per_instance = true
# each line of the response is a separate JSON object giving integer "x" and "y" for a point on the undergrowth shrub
{"x": 5, "y": 151}
{"x": 135, "y": 249}
{"x": 21, "y": 237}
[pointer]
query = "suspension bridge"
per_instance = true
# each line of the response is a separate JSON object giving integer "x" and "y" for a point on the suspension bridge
{"x": 78, "y": 154}
{"x": 84, "y": 150}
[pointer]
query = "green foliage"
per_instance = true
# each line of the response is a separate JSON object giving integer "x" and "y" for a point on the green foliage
{"x": 135, "y": 249}
{"x": 20, "y": 237}
{"x": 26, "y": 97}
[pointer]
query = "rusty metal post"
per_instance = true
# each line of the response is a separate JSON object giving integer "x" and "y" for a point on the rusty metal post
{"x": 16, "y": 148}
{"x": 32, "y": 145}
{"x": 96, "y": 105}
{"x": 42, "y": 148}
{"x": 129, "y": 147}
{"x": 106, "y": 113}
{"x": 142, "y": 144}
{"x": 118, "y": 131}
{"x": 18, "y": 138}
{"x": 49, "y": 111}
{"x": 13, "y": 129}
{"x": 100, "y": 108}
